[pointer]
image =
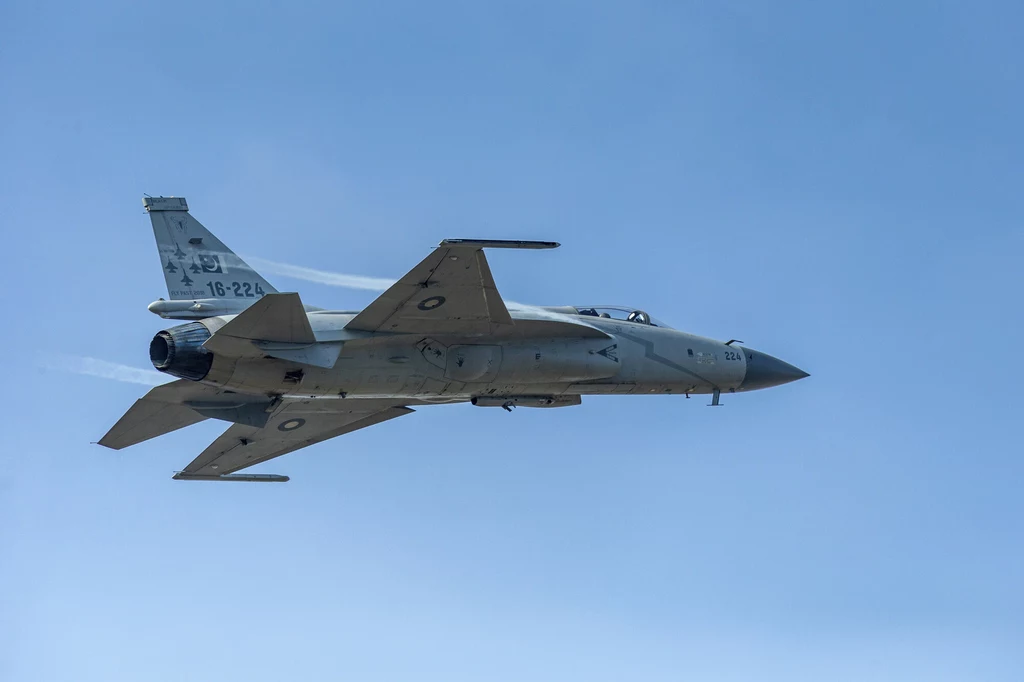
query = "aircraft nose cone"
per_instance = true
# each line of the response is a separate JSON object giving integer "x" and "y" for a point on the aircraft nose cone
{"x": 764, "y": 371}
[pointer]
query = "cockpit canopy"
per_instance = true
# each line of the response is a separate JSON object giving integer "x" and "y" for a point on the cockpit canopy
{"x": 621, "y": 313}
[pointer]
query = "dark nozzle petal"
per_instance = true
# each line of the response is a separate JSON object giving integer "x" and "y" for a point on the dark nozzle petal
{"x": 161, "y": 350}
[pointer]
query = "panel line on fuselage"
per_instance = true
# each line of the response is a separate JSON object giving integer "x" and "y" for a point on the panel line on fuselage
{"x": 651, "y": 355}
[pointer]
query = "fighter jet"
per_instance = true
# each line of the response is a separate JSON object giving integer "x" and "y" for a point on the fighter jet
{"x": 286, "y": 375}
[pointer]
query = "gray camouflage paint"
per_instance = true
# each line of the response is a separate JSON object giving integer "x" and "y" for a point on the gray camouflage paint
{"x": 288, "y": 375}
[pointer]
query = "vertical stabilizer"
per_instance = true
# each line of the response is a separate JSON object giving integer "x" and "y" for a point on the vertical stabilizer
{"x": 196, "y": 264}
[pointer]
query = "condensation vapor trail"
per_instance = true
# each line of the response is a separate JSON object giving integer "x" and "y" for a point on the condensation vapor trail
{"x": 102, "y": 369}
{"x": 334, "y": 279}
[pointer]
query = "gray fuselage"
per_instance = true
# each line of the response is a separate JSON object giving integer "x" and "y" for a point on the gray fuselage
{"x": 542, "y": 355}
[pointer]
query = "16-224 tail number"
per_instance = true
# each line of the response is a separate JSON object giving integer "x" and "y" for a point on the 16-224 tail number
{"x": 239, "y": 289}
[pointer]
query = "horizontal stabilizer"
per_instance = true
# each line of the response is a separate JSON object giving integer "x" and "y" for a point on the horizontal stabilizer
{"x": 160, "y": 411}
{"x": 276, "y": 326}
{"x": 182, "y": 403}
{"x": 275, "y": 317}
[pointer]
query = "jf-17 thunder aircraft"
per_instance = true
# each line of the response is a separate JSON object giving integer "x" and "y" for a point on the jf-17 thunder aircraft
{"x": 286, "y": 375}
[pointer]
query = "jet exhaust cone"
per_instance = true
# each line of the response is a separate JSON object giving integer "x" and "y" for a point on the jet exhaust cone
{"x": 179, "y": 351}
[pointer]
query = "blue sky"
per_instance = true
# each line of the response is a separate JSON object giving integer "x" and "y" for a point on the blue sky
{"x": 837, "y": 184}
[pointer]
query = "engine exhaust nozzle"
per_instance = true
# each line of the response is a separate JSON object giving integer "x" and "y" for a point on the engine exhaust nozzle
{"x": 179, "y": 351}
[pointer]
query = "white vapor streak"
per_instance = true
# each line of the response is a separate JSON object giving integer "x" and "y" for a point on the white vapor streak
{"x": 334, "y": 279}
{"x": 105, "y": 370}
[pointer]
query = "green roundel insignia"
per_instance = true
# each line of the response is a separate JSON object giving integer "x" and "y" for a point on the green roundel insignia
{"x": 431, "y": 303}
{"x": 291, "y": 424}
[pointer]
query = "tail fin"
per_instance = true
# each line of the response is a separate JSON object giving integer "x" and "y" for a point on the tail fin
{"x": 196, "y": 264}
